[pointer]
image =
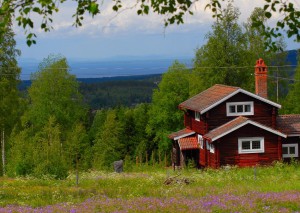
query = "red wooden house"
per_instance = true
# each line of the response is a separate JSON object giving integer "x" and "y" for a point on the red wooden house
{"x": 226, "y": 125}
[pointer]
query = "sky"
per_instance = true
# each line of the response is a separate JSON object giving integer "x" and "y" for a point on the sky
{"x": 125, "y": 35}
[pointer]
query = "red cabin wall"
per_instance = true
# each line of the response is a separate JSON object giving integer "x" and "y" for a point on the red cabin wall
{"x": 263, "y": 112}
{"x": 202, "y": 157}
{"x": 228, "y": 148}
{"x": 191, "y": 123}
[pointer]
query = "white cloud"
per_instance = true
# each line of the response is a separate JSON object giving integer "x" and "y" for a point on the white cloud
{"x": 109, "y": 32}
{"x": 128, "y": 22}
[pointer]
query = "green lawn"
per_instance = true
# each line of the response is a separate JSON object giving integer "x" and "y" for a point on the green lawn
{"x": 261, "y": 189}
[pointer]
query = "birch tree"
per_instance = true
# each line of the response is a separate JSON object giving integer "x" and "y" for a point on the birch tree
{"x": 9, "y": 78}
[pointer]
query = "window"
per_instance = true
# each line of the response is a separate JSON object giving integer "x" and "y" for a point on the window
{"x": 239, "y": 108}
{"x": 290, "y": 150}
{"x": 212, "y": 148}
{"x": 200, "y": 141}
{"x": 207, "y": 145}
{"x": 251, "y": 145}
{"x": 197, "y": 116}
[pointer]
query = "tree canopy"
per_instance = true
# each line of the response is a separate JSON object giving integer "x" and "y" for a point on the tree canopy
{"x": 173, "y": 11}
{"x": 52, "y": 135}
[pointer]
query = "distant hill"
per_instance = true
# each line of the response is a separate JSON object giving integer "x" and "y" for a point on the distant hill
{"x": 118, "y": 91}
{"x": 292, "y": 57}
{"x": 110, "y": 92}
{"x": 106, "y": 92}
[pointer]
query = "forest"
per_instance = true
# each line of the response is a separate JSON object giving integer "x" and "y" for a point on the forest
{"x": 51, "y": 129}
{"x": 104, "y": 93}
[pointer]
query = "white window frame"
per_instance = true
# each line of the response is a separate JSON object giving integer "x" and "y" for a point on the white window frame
{"x": 197, "y": 116}
{"x": 200, "y": 141}
{"x": 207, "y": 146}
{"x": 229, "y": 104}
{"x": 212, "y": 148}
{"x": 290, "y": 155}
{"x": 251, "y": 139}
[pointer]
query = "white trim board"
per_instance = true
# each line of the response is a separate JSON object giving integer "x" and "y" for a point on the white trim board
{"x": 254, "y": 124}
{"x": 183, "y": 136}
{"x": 246, "y": 93}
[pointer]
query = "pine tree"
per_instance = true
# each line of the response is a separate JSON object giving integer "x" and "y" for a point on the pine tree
{"x": 291, "y": 105}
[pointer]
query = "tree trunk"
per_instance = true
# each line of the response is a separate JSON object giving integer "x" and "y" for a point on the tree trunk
{"x": 3, "y": 152}
{"x": 77, "y": 172}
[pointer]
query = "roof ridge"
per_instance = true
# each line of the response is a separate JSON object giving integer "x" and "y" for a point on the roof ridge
{"x": 233, "y": 120}
{"x": 223, "y": 85}
{"x": 235, "y": 124}
{"x": 210, "y": 88}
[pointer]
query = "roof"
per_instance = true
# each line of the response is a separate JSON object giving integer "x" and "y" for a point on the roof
{"x": 181, "y": 133}
{"x": 188, "y": 143}
{"x": 215, "y": 95}
{"x": 289, "y": 124}
{"x": 235, "y": 124}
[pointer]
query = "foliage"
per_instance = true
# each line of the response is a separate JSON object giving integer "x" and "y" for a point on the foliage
{"x": 288, "y": 22}
{"x": 54, "y": 92}
{"x": 108, "y": 146}
{"x": 223, "y": 66}
{"x": 78, "y": 148}
{"x": 292, "y": 101}
{"x": 164, "y": 116}
{"x": 125, "y": 92}
{"x": 174, "y": 12}
{"x": 238, "y": 47}
{"x": 48, "y": 156}
{"x": 10, "y": 107}
{"x": 52, "y": 136}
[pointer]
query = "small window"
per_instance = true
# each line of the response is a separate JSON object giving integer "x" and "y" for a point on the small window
{"x": 290, "y": 150}
{"x": 200, "y": 141}
{"x": 212, "y": 148}
{"x": 255, "y": 144}
{"x": 232, "y": 109}
{"x": 239, "y": 108}
{"x": 246, "y": 145}
{"x": 207, "y": 145}
{"x": 251, "y": 145}
{"x": 285, "y": 150}
{"x": 247, "y": 108}
{"x": 197, "y": 116}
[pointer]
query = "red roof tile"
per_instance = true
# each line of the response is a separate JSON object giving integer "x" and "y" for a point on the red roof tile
{"x": 188, "y": 143}
{"x": 208, "y": 97}
{"x": 236, "y": 124}
{"x": 289, "y": 124}
{"x": 181, "y": 133}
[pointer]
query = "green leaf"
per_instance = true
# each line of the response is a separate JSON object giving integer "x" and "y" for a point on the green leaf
{"x": 30, "y": 23}
{"x": 93, "y": 8}
{"x": 26, "y": 10}
{"x": 268, "y": 14}
{"x": 146, "y": 9}
{"x": 28, "y": 43}
{"x": 115, "y": 8}
{"x": 266, "y": 7}
{"x": 207, "y": 6}
{"x": 37, "y": 10}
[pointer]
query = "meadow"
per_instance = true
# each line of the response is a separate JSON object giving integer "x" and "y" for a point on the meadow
{"x": 152, "y": 189}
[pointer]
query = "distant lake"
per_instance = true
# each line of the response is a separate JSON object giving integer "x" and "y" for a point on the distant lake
{"x": 100, "y": 69}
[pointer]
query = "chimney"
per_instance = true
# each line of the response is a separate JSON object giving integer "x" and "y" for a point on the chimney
{"x": 261, "y": 77}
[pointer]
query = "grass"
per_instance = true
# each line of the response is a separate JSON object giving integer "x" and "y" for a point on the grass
{"x": 261, "y": 189}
